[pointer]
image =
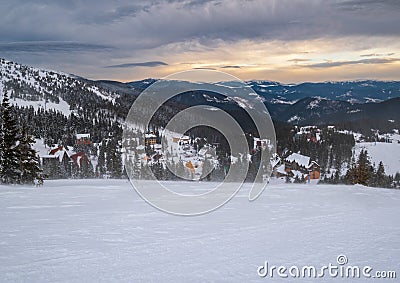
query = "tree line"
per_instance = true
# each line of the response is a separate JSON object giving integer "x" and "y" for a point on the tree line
{"x": 19, "y": 163}
{"x": 364, "y": 173}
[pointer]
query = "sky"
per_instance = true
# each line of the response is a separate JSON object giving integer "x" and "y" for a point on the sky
{"x": 284, "y": 40}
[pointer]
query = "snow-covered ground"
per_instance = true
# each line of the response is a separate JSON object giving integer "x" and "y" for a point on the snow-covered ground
{"x": 62, "y": 107}
{"x": 102, "y": 231}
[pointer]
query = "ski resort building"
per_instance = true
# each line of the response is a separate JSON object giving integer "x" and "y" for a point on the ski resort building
{"x": 83, "y": 139}
{"x": 311, "y": 133}
{"x": 150, "y": 139}
{"x": 79, "y": 158}
{"x": 298, "y": 165}
{"x": 62, "y": 161}
{"x": 181, "y": 139}
{"x": 260, "y": 143}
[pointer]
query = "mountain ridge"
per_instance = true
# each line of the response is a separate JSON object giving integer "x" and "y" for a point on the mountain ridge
{"x": 304, "y": 103}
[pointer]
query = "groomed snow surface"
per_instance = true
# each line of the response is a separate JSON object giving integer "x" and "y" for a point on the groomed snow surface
{"x": 102, "y": 231}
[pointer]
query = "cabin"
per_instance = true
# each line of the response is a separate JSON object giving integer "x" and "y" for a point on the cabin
{"x": 80, "y": 158}
{"x": 181, "y": 139}
{"x": 56, "y": 155}
{"x": 56, "y": 163}
{"x": 315, "y": 170}
{"x": 296, "y": 161}
{"x": 150, "y": 139}
{"x": 280, "y": 171}
{"x": 60, "y": 161}
{"x": 298, "y": 165}
{"x": 260, "y": 143}
{"x": 310, "y": 133}
{"x": 83, "y": 139}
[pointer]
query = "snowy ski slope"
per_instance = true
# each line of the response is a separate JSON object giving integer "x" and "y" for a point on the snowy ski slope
{"x": 102, "y": 231}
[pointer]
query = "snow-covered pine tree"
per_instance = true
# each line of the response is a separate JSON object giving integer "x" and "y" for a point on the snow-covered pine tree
{"x": 31, "y": 173}
{"x": 364, "y": 169}
{"x": 382, "y": 180}
{"x": 350, "y": 176}
{"x": 113, "y": 159}
{"x": 397, "y": 180}
{"x": 136, "y": 166}
{"x": 158, "y": 170}
{"x": 117, "y": 168}
{"x": 85, "y": 169}
{"x": 101, "y": 165}
{"x": 336, "y": 177}
{"x": 10, "y": 172}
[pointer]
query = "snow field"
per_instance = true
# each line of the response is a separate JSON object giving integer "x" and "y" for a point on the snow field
{"x": 102, "y": 231}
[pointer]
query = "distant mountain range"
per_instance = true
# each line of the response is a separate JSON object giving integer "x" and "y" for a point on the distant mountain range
{"x": 361, "y": 102}
{"x": 310, "y": 103}
{"x": 350, "y": 91}
{"x": 319, "y": 111}
{"x": 276, "y": 93}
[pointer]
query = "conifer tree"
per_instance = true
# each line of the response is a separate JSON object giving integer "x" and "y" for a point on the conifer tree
{"x": 363, "y": 170}
{"x": 10, "y": 172}
{"x": 336, "y": 177}
{"x": 382, "y": 180}
{"x": 397, "y": 180}
{"x": 101, "y": 165}
{"x": 158, "y": 170}
{"x": 136, "y": 166}
{"x": 85, "y": 169}
{"x": 29, "y": 161}
{"x": 117, "y": 162}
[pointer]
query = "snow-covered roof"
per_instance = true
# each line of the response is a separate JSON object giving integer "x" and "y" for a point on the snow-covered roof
{"x": 263, "y": 140}
{"x": 301, "y": 160}
{"x": 281, "y": 169}
{"x": 307, "y": 128}
{"x": 202, "y": 151}
{"x": 299, "y": 174}
{"x": 311, "y": 164}
{"x": 181, "y": 137}
{"x": 82, "y": 136}
{"x": 149, "y": 136}
{"x": 59, "y": 152}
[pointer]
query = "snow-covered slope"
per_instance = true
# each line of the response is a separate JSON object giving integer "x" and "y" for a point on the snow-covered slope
{"x": 102, "y": 231}
{"x": 62, "y": 106}
{"x": 46, "y": 89}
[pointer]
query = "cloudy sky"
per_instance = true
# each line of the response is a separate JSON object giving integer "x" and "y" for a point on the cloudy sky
{"x": 282, "y": 40}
